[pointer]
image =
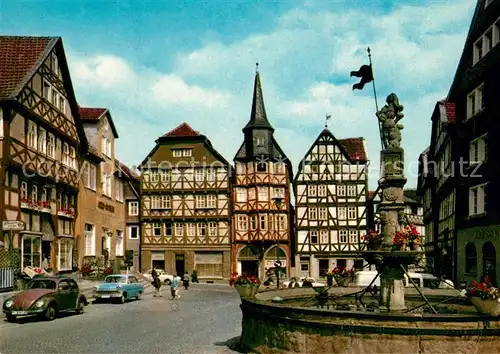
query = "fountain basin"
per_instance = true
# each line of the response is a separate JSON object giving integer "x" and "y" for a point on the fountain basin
{"x": 281, "y": 327}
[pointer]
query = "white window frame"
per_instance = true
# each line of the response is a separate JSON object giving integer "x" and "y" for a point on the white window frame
{"x": 72, "y": 158}
{"x": 342, "y": 213}
{"x": 352, "y": 213}
{"x": 477, "y": 199}
{"x": 311, "y": 190}
{"x": 90, "y": 176}
{"x": 130, "y": 228}
{"x": 187, "y": 152}
{"x": 353, "y": 236}
{"x": 201, "y": 202}
{"x": 51, "y": 146}
{"x": 263, "y": 194}
{"x": 178, "y": 229}
{"x": 211, "y": 175}
{"x": 241, "y": 195}
{"x": 343, "y": 236}
{"x": 242, "y": 223}
{"x": 24, "y": 190}
{"x": 119, "y": 244}
{"x": 324, "y": 237}
{"x": 166, "y": 202}
{"x": 32, "y": 137}
{"x": 351, "y": 190}
{"x": 211, "y": 201}
{"x": 133, "y": 208}
{"x": 202, "y": 229}
{"x": 341, "y": 190}
{"x": 157, "y": 229}
{"x": 212, "y": 228}
{"x": 313, "y": 233}
{"x": 34, "y": 193}
{"x": 42, "y": 140}
{"x": 199, "y": 174}
{"x": 177, "y": 152}
{"x": 65, "y": 154}
{"x": 478, "y": 149}
{"x": 322, "y": 190}
{"x": 475, "y": 101}
{"x": 312, "y": 213}
{"x": 323, "y": 213}
{"x": 89, "y": 239}
{"x": 191, "y": 229}
{"x": 119, "y": 190}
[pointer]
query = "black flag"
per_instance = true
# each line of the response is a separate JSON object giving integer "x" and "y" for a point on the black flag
{"x": 366, "y": 75}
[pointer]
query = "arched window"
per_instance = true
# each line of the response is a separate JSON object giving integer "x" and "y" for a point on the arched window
{"x": 247, "y": 253}
{"x": 470, "y": 258}
{"x": 489, "y": 261}
{"x": 272, "y": 253}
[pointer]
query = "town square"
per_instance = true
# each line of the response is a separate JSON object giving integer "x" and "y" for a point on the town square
{"x": 243, "y": 177}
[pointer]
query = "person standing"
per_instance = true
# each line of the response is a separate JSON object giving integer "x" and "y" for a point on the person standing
{"x": 174, "y": 287}
{"x": 185, "y": 281}
{"x": 156, "y": 282}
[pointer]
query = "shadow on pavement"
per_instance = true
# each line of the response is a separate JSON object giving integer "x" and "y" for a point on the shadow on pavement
{"x": 36, "y": 318}
{"x": 233, "y": 344}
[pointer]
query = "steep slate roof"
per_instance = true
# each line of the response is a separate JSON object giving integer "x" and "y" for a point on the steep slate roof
{"x": 182, "y": 131}
{"x": 93, "y": 115}
{"x": 19, "y": 59}
{"x": 258, "y": 116}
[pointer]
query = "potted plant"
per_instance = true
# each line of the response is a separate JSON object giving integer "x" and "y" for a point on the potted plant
{"x": 247, "y": 286}
{"x": 400, "y": 241}
{"x": 194, "y": 276}
{"x": 484, "y": 297}
{"x": 343, "y": 276}
{"x": 373, "y": 240}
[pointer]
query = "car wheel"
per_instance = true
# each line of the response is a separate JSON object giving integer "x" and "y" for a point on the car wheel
{"x": 167, "y": 282}
{"x": 139, "y": 294}
{"x": 80, "y": 308}
{"x": 50, "y": 313}
{"x": 123, "y": 298}
{"x": 11, "y": 318}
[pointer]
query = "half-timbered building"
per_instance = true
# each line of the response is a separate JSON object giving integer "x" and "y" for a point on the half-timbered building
{"x": 262, "y": 214}
{"x": 101, "y": 222}
{"x": 185, "y": 206}
{"x": 41, "y": 138}
{"x": 331, "y": 187}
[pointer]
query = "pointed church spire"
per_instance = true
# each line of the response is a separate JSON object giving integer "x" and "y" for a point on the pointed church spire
{"x": 258, "y": 117}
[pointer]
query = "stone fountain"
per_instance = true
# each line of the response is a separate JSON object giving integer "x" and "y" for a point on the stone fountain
{"x": 335, "y": 320}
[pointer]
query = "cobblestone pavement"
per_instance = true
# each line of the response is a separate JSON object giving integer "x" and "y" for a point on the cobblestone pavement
{"x": 205, "y": 319}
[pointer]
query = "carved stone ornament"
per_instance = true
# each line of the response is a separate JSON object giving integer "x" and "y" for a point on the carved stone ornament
{"x": 392, "y": 194}
{"x": 389, "y": 116}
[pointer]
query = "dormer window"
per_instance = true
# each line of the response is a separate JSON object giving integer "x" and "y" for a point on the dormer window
{"x": 261, "y": 141}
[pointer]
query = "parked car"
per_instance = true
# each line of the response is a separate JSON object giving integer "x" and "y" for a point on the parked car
{"x": 301, "y": 280}
{"x": 422, "y": 280}
{"x": 46, "y": 297}
{"x": 164, "y": 277}
{"x": 121, "y": 287}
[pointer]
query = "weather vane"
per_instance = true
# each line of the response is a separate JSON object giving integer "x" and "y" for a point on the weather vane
{"x": 327, "y": 117}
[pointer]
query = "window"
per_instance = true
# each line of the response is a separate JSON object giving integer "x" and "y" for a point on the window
{"x": 133, "y": 208}
{"x": 343, "y": 236}
{"x": 133, "y": 232}
{"x": 24, "y": 190}
{"x": 46, "y": 90}
{"x": 34, "y": 193}
{"x": 62, "y": 104}
{"x": 478, "y": 50}
{"x": 168, "y": 229}
{"x": 313, "y": 213}
{"x": 351, "y": 213}
{"x": 211, "y": 201}
{"x": 341, "y": 190}
{"x": 262, "y": 166}
{"x": 179, "y": 229}
{"x": 323, "y": 237}
{"x": 314, "y": 236}
{"x": 177, "y": 152}
{"x": 323, "y": 213}
{"x": 470, "y": 258}
{"x": 42, "y": 140}
{"x": 311, "y": 190}
{"x": 65, "y": 259}
{"x": 191, "y": 229}
{"x": 90, "y": 175}
{"x": 187, "y": 152}
{"x": 202, "y": 229}
{"x": 263, "y": 195}
{"x": 342, "y": 213}
{"x": 282, "y": 222}
{"x": 201, "y": 201}
{"x": 164, "y": 176}
{"x": 254, "y": 222}
{"x": 119, "y": 243}
{"x": 65, "y": 154}
{"x": 263, "y": 223}
{"x": 44, "y": 195}
{"x": 279, "y": 193}
{"x": 477, "y": 200}
{"x": 241, "y": 195}
{"x": 278, "y": 167}
{"x": 212, "y": 229}
{"x": 353, "y": 236}
{"x": 72, "y": 158}
{"x": 199, "y": 174}
{"x": 119, "y": 190}
{"x": 475, "y": 102}
{"x": 51, "y": 146}
{"x": 322, "y": 190}
{"x": 32, "y": 251}
{"x": 351, "y": 190}
{"x": 106, "y": 184}
{"x": 242, "y": 222}
{"x": 106, "y": 146}
{"x": 157, "y": 229}
{"x": 154, "y": 176}
{"x": 32, "y": 135}
{"x": 478, "y": 150}
{"x": 211, "y": 175}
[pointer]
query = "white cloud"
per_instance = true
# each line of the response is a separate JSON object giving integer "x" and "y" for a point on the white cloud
{"x": 305, "y": 62}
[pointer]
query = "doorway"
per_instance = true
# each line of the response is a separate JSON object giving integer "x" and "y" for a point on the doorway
{"x": 180, "y": 264}
{"x": 489, "y": 262}
{"x": 250, "y": 268}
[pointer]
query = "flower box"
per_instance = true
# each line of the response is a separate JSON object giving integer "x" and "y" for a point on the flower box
{"x": 489, "y": 307}
{"x": 247, "y": 290}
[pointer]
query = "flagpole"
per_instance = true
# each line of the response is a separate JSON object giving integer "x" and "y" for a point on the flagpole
{"x": 375, "y": 95}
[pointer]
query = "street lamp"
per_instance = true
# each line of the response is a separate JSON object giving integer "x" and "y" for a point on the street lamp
{"x": 278, "y": 202}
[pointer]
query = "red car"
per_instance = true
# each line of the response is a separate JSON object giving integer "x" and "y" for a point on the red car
{"x": 46, "y": 297}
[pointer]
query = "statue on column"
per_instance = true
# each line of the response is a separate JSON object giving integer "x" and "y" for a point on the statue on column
{"x": 389, "y": 116}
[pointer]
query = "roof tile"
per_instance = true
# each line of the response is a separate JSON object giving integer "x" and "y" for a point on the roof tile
{"x": 355, "y": 148}
{"x": 183, "y": 130}
{"x": 18, "y": 58}
{"x": 93, "y": 114}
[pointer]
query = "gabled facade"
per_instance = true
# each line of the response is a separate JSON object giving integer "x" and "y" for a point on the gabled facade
{"x": 101, "y": 222}
{"x": 331, "y": 187}
{"x": 132, "y": 185}
{"x": 475, "y": 91}
{"x": 185, "y": 206}
{"x": 262, "y": 216}
{"x": 41, "y": 141}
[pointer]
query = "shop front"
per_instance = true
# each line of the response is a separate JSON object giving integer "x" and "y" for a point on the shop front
{"x": 209, "y": 264}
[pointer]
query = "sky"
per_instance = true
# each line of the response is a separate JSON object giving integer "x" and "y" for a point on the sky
{"x": 157, "y": 64}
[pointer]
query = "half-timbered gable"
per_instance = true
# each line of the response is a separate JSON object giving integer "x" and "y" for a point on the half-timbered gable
{"x": 330, "y": 207}
{"x": 102, "y": 201}
{"x": 185, "y": 205}
{"x": 42, "y": 141}
{"x": 261, "y": 196}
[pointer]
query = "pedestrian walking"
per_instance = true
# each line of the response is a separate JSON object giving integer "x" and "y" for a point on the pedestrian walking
{"x": 156, "y": 282}
{"x": 174, "y": 288}
{"x": 185, "y": 281}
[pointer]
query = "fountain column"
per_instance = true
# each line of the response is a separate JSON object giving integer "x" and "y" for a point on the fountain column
{"x": 391, "y": 182}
